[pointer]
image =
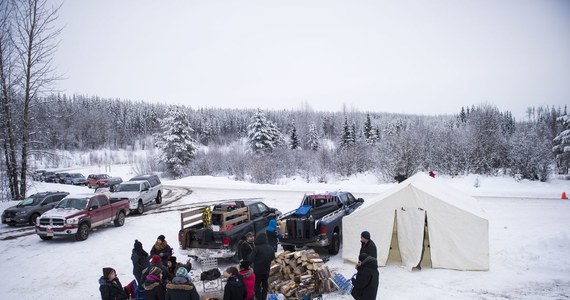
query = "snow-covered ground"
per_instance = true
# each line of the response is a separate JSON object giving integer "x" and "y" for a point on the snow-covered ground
{"x": 529, "y": 241}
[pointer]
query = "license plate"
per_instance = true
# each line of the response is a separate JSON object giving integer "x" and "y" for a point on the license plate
{"x": 49, "y": 232}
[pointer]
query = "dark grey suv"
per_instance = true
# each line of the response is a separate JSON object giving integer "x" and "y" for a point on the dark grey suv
{"x": 32, "y": 207}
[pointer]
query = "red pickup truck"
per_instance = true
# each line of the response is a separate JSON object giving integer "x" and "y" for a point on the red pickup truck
{"x": 77, "y": 214}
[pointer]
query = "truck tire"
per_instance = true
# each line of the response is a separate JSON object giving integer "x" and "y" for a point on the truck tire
{"x": 83, "y": 232}
{"x": 288, "y": 248}
{"x": 46, "y": 238}
{"x": 334, "y": 247}
{"x": 33, "y": 218}
{"x": 140, "y": 208}
{"x": 158, "y": 199}
{"x": 120, "y": 219}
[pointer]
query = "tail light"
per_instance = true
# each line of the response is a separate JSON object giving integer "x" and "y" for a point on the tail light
{"x": 323, "y": 230}
{"x": 226, "y": 241}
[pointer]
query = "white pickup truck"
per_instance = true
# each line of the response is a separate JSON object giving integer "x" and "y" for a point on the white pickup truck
{"x": 139, "y": 193}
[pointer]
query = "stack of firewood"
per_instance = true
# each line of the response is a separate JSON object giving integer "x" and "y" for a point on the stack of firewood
{"x": 300, "y": 273}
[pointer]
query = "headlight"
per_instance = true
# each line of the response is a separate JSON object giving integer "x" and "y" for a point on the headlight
{"x": 71, "y": 221}
{"x": 22, "y": 212}
{"x": 134, "y": 200}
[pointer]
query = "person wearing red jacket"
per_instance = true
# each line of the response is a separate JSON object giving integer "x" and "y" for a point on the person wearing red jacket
{"x": 248, "y": 278}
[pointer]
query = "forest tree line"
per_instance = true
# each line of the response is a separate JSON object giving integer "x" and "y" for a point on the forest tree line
{"x": 312, "y": 144}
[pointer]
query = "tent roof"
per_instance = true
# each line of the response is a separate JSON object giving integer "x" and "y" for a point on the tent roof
{"x": 439, "y": 190}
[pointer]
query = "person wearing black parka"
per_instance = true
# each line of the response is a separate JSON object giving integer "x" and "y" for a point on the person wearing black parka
{"x": 365, "y": 282}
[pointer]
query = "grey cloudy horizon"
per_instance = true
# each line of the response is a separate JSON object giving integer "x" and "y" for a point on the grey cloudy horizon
{"x": 418, "y": 57}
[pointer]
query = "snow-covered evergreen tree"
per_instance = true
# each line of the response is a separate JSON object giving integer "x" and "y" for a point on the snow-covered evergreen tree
{"x": 313, "y": 140}
{"x": 263, "y": 135}
{"x": 562, "y": 144}
{"x": 369, "y": 132}
{"x": 293, "y": 139}
{"x": 176, "y": 145}
{"x": 347, "y": 138}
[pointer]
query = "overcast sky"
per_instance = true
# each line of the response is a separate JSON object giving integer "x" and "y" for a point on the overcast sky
{"x": 423, "y": 57}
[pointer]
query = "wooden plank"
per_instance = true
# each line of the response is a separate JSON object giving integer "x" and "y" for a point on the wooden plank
{"x": 234, "y": 220}
{"x": 190, "y": 217}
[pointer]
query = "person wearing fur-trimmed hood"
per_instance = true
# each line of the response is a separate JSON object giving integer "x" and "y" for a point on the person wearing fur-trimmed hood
{"x": 365, "y": 282}
{"x": 162, "y": 249}
{"x": 180, "y": 288}
{"x": 153, "y": 287}
{"x": 248, "y": 278}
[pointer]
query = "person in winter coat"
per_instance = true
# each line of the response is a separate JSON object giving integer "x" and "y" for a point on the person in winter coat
{"x": 272, "y": 234}
{"x": 261, "y": 257}
{"x": 153, "y": 287}
{"x": 155, "y": 261}
{"x": 172, "y": 266}
{"x": 110, "y": 286}
{"x": 181, "y": 288}
{"x": 365, "y": 282}
{"x": 235, "y": 289}
{"x": 367, "y": 245}
{"x": 140, "y": 258}
{"x": 246, "y": 246}
{"x": 248, "y": 278}
{"x": 162, "y": 249}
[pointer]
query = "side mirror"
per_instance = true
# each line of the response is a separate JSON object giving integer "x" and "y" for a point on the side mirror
{"x": 360, "y": 200}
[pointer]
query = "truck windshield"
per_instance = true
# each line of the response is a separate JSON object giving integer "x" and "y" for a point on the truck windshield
{"x": 73, "y": 203}
{"x": 128, "y": 188}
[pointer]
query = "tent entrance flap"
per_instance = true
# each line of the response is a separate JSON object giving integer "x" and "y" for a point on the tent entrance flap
{"x": 410, "y": 223}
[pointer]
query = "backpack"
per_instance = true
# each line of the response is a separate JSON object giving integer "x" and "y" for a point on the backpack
{"x": 211, "y": 274}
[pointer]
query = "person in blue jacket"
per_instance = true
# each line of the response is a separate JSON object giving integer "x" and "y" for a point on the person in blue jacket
{"x": 272, "y": 234}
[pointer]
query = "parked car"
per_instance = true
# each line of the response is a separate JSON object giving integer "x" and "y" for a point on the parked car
{"x": 155, "y": 185}
{"x": 113, "y": 182}
{"x": 97, "y": 180}
{"x": 136, "y": 192}
{"x": 60, "y": 177}
{"x": 49, "y": 177}
{"x": 29, "y": 209}
{"x": 318, "y": 221}
{"x": 75, "y": 179}
{"x": 76, "y": 215}
{"x": 228, "y": 223}
{"x": 38, "y": 175}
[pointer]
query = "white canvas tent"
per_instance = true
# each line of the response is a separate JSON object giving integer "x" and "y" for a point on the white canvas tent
{"x": 457, "y": 230}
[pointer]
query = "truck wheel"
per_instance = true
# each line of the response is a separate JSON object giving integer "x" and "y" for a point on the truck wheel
{"x": 46, "y": 238}
{"x": 334, "y": 247}
{"x": 33, "y": 218}
{"x": 83, "y": 232}
{"x": 288, "y": 248}
{"x": 158, "y": 198}
{"x": 140, "y": 208}
{"x": 120, "y": 220}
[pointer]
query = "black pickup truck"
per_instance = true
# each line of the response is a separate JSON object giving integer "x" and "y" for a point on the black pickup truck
{"x": 214, "y": 231}
{"x": 318, "y": 221}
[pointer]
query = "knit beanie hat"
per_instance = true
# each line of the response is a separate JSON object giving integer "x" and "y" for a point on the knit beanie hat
{"x": 107, "y": 271}
{"x": 161, "y": 237}
{"x": 244, "y": 265}
{"x": 138, "y": 245}
{"x": 155, "y": 271}
{"x": 365, "y": 234}
{"x": 181, "y": 272}
{"x": 155, "y": 259}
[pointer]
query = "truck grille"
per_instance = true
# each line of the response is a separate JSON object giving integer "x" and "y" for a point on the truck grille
{"x": 9, "y": 214}
{"x": 52, "y": 222}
